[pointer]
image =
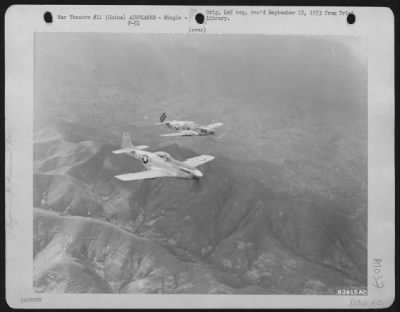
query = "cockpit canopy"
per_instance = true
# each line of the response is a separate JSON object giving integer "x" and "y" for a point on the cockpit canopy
{"x": 163, "y": 155}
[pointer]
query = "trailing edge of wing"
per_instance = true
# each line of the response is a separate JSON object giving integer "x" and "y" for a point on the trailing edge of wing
{"x": 198, "y": 160}
{"x": 143, "y": 175}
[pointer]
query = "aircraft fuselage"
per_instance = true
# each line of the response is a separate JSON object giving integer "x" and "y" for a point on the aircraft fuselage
{"x": 167, "y": 163}
{"x": 180, "y": 124}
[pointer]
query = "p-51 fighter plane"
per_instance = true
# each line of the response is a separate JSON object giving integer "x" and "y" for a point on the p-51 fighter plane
{"x": 159, "y": 164}
{"x": 188, "y": 128}
{"x": 175, "y": 124}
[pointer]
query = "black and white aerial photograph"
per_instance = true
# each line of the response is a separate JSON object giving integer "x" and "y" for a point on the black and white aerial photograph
{"x": 199, "y": 164}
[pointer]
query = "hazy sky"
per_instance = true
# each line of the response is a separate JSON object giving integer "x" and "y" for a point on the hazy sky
{"x": 289, "y": 70}
{"x": 268, "y": 90}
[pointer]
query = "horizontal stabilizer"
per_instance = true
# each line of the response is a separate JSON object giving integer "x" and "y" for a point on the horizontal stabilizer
{"x": 198, "y": 160}
{"x": 129, "y": 149}
{"x": 141, "y": 147}
{"x": 124, "y": 150}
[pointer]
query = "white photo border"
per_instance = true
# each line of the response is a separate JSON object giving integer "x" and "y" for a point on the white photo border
{"x": 23, "y": 21}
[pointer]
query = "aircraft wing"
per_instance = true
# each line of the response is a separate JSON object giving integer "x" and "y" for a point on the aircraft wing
{"x": 143, "y": 175}
{"x": 198, "y": 160}
{"x": 181, "y": 133}
{"x": 212, "y": 126}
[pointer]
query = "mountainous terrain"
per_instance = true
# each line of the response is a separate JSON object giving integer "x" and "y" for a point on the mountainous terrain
{"x": 229, "y": 226}
{"x": 281, "y": 209}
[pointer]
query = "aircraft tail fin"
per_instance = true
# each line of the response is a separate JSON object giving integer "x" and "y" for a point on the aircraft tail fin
{"x": 126, "y": 141}
{"x": 127, "y": 146}
{"x": 163, "y": 117}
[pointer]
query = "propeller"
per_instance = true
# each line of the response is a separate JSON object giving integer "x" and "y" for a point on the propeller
{"x": 198, "y": 185}
{"x": 218, "y": 135}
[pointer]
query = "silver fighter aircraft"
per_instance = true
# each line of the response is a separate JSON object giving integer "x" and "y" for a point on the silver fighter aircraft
{"x": 159, "y": 164}
{"x": 188, "y": 128}
{"x": 175, "y": 124}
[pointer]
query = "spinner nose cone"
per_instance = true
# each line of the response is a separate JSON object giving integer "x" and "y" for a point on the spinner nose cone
{"x": 197, "y": 173}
